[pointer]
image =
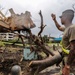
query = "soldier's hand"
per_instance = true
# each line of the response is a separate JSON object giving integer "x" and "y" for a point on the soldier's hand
{"x": 53, "y": 16}
{"x": 66, "y": 71}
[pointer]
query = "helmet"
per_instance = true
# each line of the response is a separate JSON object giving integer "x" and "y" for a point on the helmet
{"x": 16, "y": 70}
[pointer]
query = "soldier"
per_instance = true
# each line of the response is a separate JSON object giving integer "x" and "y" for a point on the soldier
{"x": 68, "y": 40}
{"x": 16, "y": 70}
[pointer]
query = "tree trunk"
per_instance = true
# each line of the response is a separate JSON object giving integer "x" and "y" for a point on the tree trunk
{"x": 49, "y": 61}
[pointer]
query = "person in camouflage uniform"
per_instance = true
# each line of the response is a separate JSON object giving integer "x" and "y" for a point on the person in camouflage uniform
{"x": 68, "y": 39}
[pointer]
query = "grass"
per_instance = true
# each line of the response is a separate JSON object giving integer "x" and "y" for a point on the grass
{"x": 16, "y": 44}
{"x": 10, "y": 43}
{"x": 51, "y": 44}
{"x": 2, "y": 44}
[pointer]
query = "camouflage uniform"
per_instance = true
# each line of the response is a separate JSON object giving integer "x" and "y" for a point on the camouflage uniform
{"x": 68, "y": 36}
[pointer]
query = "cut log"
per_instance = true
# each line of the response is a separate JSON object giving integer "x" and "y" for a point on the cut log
{"x": 43, "y": 64}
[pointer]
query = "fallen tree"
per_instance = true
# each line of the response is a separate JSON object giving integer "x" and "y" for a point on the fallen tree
{"x": 38, "y": 65}
{"x": 51, "y": 59}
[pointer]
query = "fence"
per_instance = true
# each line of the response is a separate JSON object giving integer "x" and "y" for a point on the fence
{"x": 6, "y": 36}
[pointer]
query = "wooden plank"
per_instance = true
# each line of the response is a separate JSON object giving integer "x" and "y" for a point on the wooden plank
{"x": 2, "y": 15}
{"x": 4, "y": 24}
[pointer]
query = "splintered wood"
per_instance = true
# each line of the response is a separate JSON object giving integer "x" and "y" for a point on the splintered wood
{"x": 16, "y": 21}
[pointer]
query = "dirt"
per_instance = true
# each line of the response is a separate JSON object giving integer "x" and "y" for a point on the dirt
{"x": 52, "y": 70}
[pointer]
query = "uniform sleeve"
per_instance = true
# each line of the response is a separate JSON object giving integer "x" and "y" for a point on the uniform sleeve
{"x": 62, "y": 28}
{"x": 65, "y": 39}
{"x": 71, "y": 34}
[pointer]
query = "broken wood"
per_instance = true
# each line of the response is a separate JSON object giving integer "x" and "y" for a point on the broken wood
{"x": 20, "y": 24}
{"x": 21, "y": 21}
{"x": 42, "y": 25}
{"x": 51, "y": 60}
{"x": 43, "y": 64}
{"x": 39, "y": 65}
{"x": 38, "y": 42}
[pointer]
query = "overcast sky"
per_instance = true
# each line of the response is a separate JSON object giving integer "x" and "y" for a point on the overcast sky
{"x": 34, "y": 6}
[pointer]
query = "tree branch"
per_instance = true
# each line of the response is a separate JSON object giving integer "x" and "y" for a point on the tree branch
{"x": 42, "y": 25}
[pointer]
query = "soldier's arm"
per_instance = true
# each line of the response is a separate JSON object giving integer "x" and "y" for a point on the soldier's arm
{"x": 71, "y": 55}
{"x": 56, "y": 23}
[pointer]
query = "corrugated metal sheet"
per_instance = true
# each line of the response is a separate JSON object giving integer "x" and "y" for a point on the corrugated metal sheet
{"x": 58, "y": 39}
{"x": 28, "y": 55}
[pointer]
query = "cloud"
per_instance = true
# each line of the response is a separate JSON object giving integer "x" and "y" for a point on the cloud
{"x": 46, "y": 6}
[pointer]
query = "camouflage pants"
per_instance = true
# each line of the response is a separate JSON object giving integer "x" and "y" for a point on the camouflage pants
{"x": 72, "y": 69}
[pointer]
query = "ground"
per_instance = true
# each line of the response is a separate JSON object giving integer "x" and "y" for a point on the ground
{"x": 52, "y": 70}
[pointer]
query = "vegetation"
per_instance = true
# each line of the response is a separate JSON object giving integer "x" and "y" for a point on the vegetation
{"x": 2, "y": 44}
